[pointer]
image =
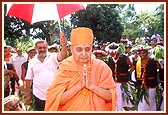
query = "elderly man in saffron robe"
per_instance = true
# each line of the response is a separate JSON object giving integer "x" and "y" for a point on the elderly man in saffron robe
{"x": 82, "y": 82}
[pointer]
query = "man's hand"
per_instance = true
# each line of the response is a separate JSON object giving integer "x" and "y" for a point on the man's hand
{"x": 63, "y": 40}
{"x": 86, "y": 78}
{"x": 88, "y": 83}
{"x": 63, "y": 43}
{"x": 28, "y": 98}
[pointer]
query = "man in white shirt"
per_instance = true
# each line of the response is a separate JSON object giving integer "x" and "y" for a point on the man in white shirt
{"x": 41, "y": 70}
{"x": 17, "y": 60}
{"x": 156, "y": 36}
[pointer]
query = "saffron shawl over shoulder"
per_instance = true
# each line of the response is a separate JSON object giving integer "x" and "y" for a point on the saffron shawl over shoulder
{"x": 68, "y": 75}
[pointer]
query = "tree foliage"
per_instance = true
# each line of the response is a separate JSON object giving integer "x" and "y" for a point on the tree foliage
{"x": 143, "y": 22}
{"x": 129, "y": 17}
{"x": 160, "y": 15}
{"x": 108, "y": 22}
{"x": 103, "y": 19}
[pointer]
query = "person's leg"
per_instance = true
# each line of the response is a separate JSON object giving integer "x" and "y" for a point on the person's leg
{"x": 127, "y": 105}
{"x": 152, "y": 100}
{"x": 119, "y": 98}
{"x": 12, "y": 85}
{"x": 40, "y": 104}
{"x": 6, "y": 94}
{"x": 142, "y": 105}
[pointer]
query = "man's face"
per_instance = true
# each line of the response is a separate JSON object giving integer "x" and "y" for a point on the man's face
{"x": 82, "y": 52}
{"x": 143, "y": 54}
{"x": 99, "y": 56}
{"x": 128, "y": 49}
{"x": 54, "y": 50}
{"x": 19, "y": 52}
{"x": 32, "y": 53}
{"x": 42, "y": 49}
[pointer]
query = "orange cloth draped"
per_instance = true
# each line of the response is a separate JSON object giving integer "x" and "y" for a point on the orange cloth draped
{"x": 68, "y": 75}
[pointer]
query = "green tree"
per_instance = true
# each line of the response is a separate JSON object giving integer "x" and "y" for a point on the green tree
{"x": 151, "y": 21}
{"x": 103, "y": 19}
{"x": 143, "y": 22}
{"x": 66, "y": 28}
{"x": 129, "y": 17}
{"x": 159, "y": 21}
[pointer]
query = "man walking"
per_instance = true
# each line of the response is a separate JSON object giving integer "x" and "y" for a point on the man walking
{"x": 41, "y": 71}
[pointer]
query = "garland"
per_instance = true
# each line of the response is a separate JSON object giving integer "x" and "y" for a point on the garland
{"x": 159, "y": 97}
{"x": 140, "y": 89}
{"x": 128, "y": 96}
{"x": 30, "y": 107}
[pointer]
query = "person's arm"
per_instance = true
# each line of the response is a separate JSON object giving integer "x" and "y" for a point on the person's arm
{"x": 28, "y": 86}
{"x": 13, "y": 74}
{"x": 23, "y": 72}
{"x": 28, "y": 91}
{"x": 62, "y": 54}
{"x": 104, "y": 93}
{"x": 18, "y": 81}
{"x": 63, "y": 42}
{"x": 67, "y": 95}
{"x": 29, "y": 80}
{"x": 10, "y": 72}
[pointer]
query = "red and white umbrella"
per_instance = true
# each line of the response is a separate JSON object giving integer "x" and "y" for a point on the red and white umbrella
{"x": 42, "y": 11}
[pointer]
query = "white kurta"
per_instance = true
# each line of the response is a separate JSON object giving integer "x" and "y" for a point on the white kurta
{"x": 42, "y": 74}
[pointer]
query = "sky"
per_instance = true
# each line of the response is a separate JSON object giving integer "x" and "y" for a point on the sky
{"x": 146, "y": 6}
{"x": 142, "y": 6}
{"x": 139, "y": 6}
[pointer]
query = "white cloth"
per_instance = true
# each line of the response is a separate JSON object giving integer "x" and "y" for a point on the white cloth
{"x": 5, "y": 65}
{"x": 162, "y": 105}
{"x": 42, "y": 73}
{"x": 143, "y": 106}
{"x": 20, "y": 82}
{"x": 17, "y": 61}
{"x": 156, "y": 36}
{"x": 121, "y": 101}
{"x": 133, "y": 76}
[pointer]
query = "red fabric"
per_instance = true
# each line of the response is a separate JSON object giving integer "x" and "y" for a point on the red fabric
{"x": 65, "y": 9}
{"x": 25, "y": 11}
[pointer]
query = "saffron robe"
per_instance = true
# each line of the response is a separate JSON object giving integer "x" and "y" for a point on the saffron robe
{"x": 68, "y": 75}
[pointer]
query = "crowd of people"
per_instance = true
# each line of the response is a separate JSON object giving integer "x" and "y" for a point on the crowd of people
{"x": 79, "y": 75}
